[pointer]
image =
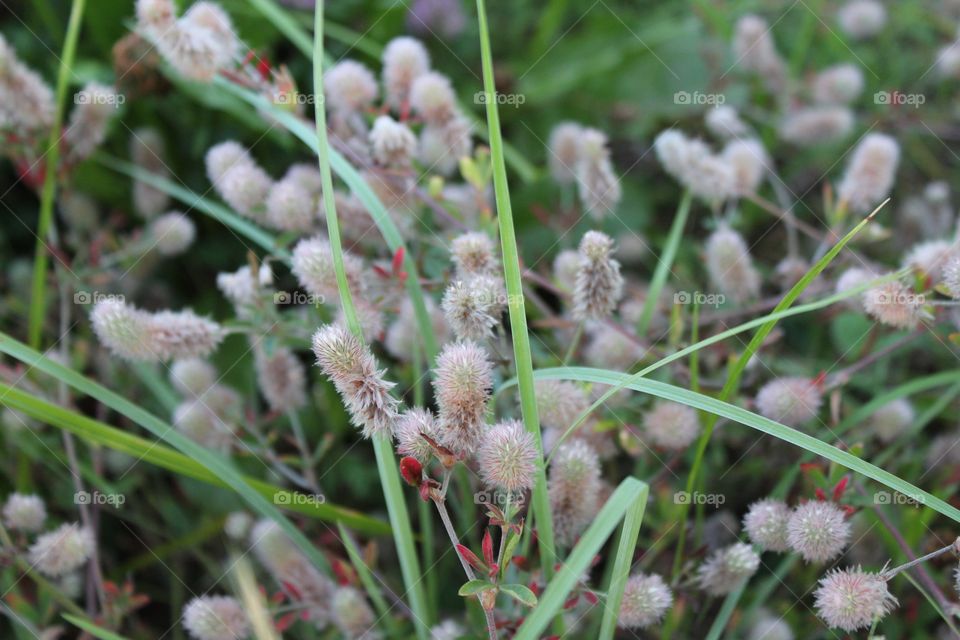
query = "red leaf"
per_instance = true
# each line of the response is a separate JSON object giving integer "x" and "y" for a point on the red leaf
{"x": 840, "y": 488}
{"x": 285, "y": 621}
{"x": 397, "y": 261}
{"x": 571, "y": 603}
{"x": 471, "y": 558}
{"x": 488, "y": 547}
{"x": 294, "y": 592}
{"x": 821, "y": 496}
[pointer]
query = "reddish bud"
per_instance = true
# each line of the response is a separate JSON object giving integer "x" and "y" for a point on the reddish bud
{"x": 412, "y": 471}
{"x": 840, "y": 488}
{"x": 487, "y": 546}
{"x": 821, "y": 496}
{"x": 471, "y": 558}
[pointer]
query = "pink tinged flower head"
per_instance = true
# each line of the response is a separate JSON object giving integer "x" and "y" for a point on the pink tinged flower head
{"x": 282, "y": 378}
{"x": 392, "y": 142}
{"x": 766, "y": 524}
{"x": 791, "y": 401}
{"x": 646, "y": 598}
{"x": 730, "y": 265}
{"x": 463, "y": 382}
{"x": 931, "y": 258}
{"x": 508, "y": 457}
{"x": 728, "y": 568}
{"x": 851, "y": 599}
{"x": 155, "y": 16}
{"x": 200, "y": 44}
{"x": 870, "y": 172}
{"x": 183, "y": 334}
{"x": 192, "y": 376}
{"x": 412, "y": 425}
{"x": 564, "y": 151}
{"x": 599, "y": 285}
{"x": 818, "y": 531}
{"x": 892, "y": 420}
{"x": 560, "y": 402}
{"x": 671, "y": 425}
{"x": 312, "y": 264}
{"x": 172, "y": 233}
{"x": 895, "y": 305}
{"x": 352, "y": 368}
{"x": 574, "y": 486}
{"x": 749, "y": 161}
{"x": 597, "y": 184}
{"x": 473, "y": 307}
{"x": 839, "y": 84}
{"x": 432, "y": 97}
{"x": 404, "y": 60}
{"x": 24, "y": 512}
{"x": 861, "y": 19}
{"x": 350, "y": 87}
{"x": 810, "y": 126}
{"x": 123, "y": 329}
{"x": 473, "y": 254}
{"x": 215, "y": 618}
{"x": 62, "y": 550}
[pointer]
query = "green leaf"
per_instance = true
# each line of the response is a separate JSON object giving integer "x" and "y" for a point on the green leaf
{"x": 520, "y": 593}
{"x": 630, "y": 495}
{"x": 664, "y": 262}
{"x": 622, "y": 564}
{"x": 474, "y": 587}
{"x": 513, "y": 540}
{"x": 92, "y": 629}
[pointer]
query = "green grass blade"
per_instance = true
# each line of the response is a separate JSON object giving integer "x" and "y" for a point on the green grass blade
{"x": 386, "y": 464}
{"x": 99, "y": 433}
{"x": 726, "y": 610}
{"x": 51, "y": 159}
{"x": 664, "y": 263}
{"x": 518, "y": 318}
{"x": 214, "y": 462}
{"x": 286, "y": 24}
{"x": 92, "y": 629}
{"x": 623, "y": 563}
{"x": 719, "y": 408}
{"x": 628, "y": 500}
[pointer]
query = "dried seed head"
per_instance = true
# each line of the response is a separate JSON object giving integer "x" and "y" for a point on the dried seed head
{"x": 811, "y": 126}
{"x": 352, "y": 614}
{"x": 404, "y": 60}
{"x": 432, "y": 97}
{"x": 861, "y": 19}
{"x": 852, "y": 599}
{"x": 599, "y": 285}
{"x": 472, "y": 307}
{"x": 574, "y": 487}
{"x": 671, "y": 425}
{"x": 894, "y": 304}
{"x": 792, "y": 401}
{"x": 560, "y": 402}
{"x": 749, "y": 161}
{"x": 597, "y": 184}
{"x": 646, "y": 598}
{"x": 755, "y": 51}
{"x": 172, "y": 233}
{"x": 726, "y": 569}
{"x": 353, "y": 370}
{"x": 23, "y": 512}
{"x": 870, "y": 172}
{"x": 730, "y": 266}
{"x": 312, "y": 264}
{"x": 839, "y": 84}
{"x": 393, "y": 143}
{"x": 62, "y": 550}
{"x": 818, "y": 531}
{"x": 564, "y": 151}
{"x": 766, "y": 524}
{"x": 473, "y": 254}
{"x": 464, "y": 379}
{"x": 724, "y": 122}
{"x": 350, "y": 87}
{"x": 215, "y": 618}
{"x": 282, "y": 378}
{"x": 892, "y": 420}
{"x": 412, "y": 425}
{"x": 507, "y": 457}
{"x": 192, "y": 376}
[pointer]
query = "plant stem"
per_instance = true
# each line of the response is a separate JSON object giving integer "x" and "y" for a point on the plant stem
{"x": 664, "y": 263}
{"x": 889, "y": 573}
{"x": 51, "y": 162}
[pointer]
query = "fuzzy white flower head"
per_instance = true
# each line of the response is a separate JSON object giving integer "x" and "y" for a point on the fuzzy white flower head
{"x": 818, "y": 531}
{"x": 750, "y": 163}
{"x": 695, "y": 166}
{"x": 892, "y": 420}
{"x": 574, "y": 488}
{"x": 755, "y": 51}
{"x": 182, "y": 334}
{"x": 352, "y": 614}
{"x": 507, "y": 457}
{"x": 201, "y": 420}
{"x": 769, "y": 627}
{"x": 392, "y": 142}
{"x": 237, "y": 525}
{"x": 724, "y": 122}
{"x": 597, "y": 184}
{"x": 447, "y": 630}
{"x": 291, "y": 206}
{"x": 240, "y": 287}
{"x": 948, "y": 60}
{"x": 730, "y": 266}
{"x": 24, "y": 512}
{"x": 62, "y": 550}
{"x": 728, "y": 568}
{"x": 200, "y": 44}
{"x": 123, "y": 329}
{"x": 472, "y": 307}
{"x": 564, "y": 151}
{"x": 806, "y": 127}
{"x": 792, "y": 401}
{"x": 839, "y": 84}
{"x": 473, "y": 254}
{"x": 155, "y": 16}
{"x": 172, "y": 233}
{"x": 646, "y": 598}
{"x": 412, "y": 425}
{"x": 560, "y": 402}
{"x": 96, "y": 104}
{"x": 951, "y": 277}
{"x": 671, "y": 425}
{"x": 215, "y": 618}
{"x": 404, "y": 60}
{"x": 349, "y": 86}
{"x": 861, "y": 19}
{"x": 441, "y": 146}
{"x": 870, "y": 172}
{"x": 895, "y": 305}
{"x": 852, "y": 599}
{"x": 224, "y": 156}
{"x": 245, "y": 188}
{"x": 766, "y": 524}
{"x": 312, "y": 264}
{"x": 599, "y": 285}
{"x": 931, "y": 257}
{"x": 464, "y": 379}
{"x": 565, "y": 268}
{"x": 432, "y": 96}
{"x": 192, "y": 376}
{"x": 282, "y": 378}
